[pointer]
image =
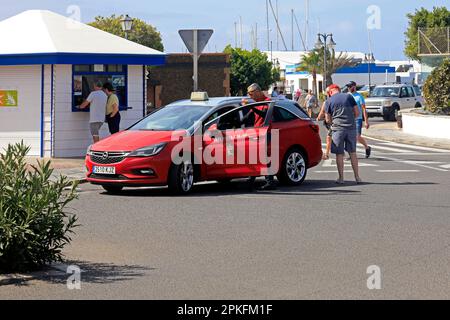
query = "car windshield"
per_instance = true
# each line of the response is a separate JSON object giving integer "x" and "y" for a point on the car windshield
{"x": 385, "y": 92}
{"x": 170, "y": 118}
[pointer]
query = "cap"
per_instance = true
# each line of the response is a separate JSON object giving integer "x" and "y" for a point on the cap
{"x": 351, "y": 84}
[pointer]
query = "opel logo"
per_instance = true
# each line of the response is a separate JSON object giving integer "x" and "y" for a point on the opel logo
{"x": 105, "y": 155}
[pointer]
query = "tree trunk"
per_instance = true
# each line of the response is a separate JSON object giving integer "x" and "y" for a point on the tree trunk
{"x": 314, "y": 83}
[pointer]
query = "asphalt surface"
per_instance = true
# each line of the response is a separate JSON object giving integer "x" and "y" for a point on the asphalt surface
{"x": 315, "y": 241}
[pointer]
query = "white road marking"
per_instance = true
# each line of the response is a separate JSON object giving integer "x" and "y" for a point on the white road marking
{"x": 409, "y": 146}
{"x": 404, "y": 145}
{"x": 332, "y": 163}
{"x": 332, "y": 171}
{"x": 445, "y": 166}
{"x": 397, "y": 171}
{"x": 414, "y": 163}
{"x": 390, "y": 149}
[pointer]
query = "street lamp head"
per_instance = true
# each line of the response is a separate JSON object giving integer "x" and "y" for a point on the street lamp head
{"x": 332, "y": 44}
{"x": 127, "y": 23}
{"x": 319, "y": 43}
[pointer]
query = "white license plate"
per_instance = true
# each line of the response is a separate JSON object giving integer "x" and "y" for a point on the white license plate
{"x": 104, "y": 170}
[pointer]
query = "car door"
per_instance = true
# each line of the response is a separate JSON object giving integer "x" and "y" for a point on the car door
{"x": 235, "y": 142}
{"x": 413, "y": 97}
{"x": 406, "y": 100}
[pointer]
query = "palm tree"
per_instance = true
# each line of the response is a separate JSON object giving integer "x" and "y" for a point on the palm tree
{"x": 334, "y": 63}
{"x": 311, "y": 64}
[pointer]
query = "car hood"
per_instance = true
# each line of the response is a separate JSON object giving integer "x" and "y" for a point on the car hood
{"x": 131, "y": 140}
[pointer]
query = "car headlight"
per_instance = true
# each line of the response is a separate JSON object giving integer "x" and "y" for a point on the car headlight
{"x": 387, "y": 103}
{"x": 148, "y": 151}
{"x": 88, "y": 151}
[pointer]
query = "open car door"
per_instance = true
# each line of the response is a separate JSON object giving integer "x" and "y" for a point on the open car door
{"x": 233, "y": 147}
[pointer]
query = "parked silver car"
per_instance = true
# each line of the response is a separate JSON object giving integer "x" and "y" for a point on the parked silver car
{"x": 387, "y": 100}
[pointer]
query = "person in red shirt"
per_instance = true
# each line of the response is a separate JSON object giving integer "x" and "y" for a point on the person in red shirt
{"x": 254, "y": 91}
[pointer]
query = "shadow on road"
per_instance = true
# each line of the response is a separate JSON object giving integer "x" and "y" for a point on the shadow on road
{"x": 96, "y": 273}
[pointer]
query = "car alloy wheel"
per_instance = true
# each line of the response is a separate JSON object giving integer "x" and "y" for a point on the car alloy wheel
{"x": 295, "y": 167}
{"x": 186, "y": 176}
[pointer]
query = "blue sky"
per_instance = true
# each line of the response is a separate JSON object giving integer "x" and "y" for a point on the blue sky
{"x": 346, "y": 19}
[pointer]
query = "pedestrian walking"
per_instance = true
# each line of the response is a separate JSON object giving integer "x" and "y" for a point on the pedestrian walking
{"x": 112, "y": 109}
{"x": 341, "y": 110}
{"x": 327, "y": 126}
{"x": 97, "y": 104}
{"x": 311, "y": 102}
{"x": 274, "y": 93}
{"x": 363, "y": 117}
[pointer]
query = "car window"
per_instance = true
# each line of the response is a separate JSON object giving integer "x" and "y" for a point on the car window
{"x": 417, "y": 90}
{"x": 176, "y": 117}
{"x": 219, "y": 112}
{"x": 404, "y": 93}
{"x": 385, "y": 92}
{"x": 410, "y": 92}
{"x": 282, "y": 115}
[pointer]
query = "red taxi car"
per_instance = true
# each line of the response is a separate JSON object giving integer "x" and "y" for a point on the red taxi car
{"x": 208, "y": 128}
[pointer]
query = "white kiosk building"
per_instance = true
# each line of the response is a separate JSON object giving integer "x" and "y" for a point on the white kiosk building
{"x": 48, "y": 64}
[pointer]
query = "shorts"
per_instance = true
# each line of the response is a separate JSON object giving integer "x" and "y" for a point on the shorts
{"x": 113, "y": 123}
{"x": 343, "y": 140}
{"x": 359, "y": 123}
{"x": 95, "y": 128}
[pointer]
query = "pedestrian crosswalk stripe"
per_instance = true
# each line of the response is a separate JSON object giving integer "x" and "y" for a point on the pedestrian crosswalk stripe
{"x": 397, "y": 171}
{"x": 332, "y": 163}
{"x": 415, "y": 147}
{"x": 445, "y": 166}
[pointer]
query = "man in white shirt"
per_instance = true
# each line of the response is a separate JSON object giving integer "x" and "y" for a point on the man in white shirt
{"x": 97, "y": 101}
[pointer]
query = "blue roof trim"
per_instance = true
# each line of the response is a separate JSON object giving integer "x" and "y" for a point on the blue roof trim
{"x": 364, "y": 68}
{"x": 81, "y": 58}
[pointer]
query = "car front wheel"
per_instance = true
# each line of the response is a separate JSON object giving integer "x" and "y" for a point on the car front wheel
{"x": 181, "y": 177}
{"x": 293, "y": 168}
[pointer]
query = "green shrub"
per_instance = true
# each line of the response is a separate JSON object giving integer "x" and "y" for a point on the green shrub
{"x": 34, "y": 224}
{"x": 437, "y": 89}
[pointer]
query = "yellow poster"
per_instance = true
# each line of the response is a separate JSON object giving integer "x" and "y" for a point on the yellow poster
{"x": 8, "y": 98}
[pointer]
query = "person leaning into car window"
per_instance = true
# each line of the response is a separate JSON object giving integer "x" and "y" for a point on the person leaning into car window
{"x": 112, "y": 109}
{"x": 254, "y": 91}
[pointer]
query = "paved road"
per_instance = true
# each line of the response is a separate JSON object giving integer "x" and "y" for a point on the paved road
{"x": 308, "y": 242}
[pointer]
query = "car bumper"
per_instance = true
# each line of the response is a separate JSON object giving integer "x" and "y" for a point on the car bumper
{"x": 378, "y": 110}
{"x": 128, "y": 172}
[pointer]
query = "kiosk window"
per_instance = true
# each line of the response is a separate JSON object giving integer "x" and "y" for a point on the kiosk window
{"x": 84, "y": 78}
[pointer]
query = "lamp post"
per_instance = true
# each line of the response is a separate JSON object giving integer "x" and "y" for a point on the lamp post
{"x": 323, "y": 44}
{"x": 369, "y": 58}
{"x": 127, "y": 24}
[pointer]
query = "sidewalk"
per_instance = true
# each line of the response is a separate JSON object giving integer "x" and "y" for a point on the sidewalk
{"x": 390, "y": 132}
{"x": 73, "y": 168}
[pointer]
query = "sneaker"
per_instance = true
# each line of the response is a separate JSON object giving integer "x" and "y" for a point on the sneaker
{"x": 358, "y": 180}
{"x": 340, "y": 181}
{"x": 368, "y": 151}
{"x": 348, "y": 159}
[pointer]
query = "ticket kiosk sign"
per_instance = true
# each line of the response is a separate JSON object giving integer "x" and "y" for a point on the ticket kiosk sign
{"x": 8, "y": 98}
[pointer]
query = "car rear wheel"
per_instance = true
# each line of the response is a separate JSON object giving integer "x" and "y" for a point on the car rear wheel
{"x": 293, "y": 168}
{"x": 392, "y": 115}
{"x": 181, "y": 177}
{"x": 112, "y": 189}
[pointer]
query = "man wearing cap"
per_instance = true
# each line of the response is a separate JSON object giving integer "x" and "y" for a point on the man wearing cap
{"x": 341, "y": 110}
{"x": 97, "y": 104}
{"x": 254, "y": 91}
{"x": 362, "y": 113}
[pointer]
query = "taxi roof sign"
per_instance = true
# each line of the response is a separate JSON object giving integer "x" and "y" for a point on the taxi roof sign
{"x": 199, "y": 96}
